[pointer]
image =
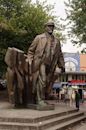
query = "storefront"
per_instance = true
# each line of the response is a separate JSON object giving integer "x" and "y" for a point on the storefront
{"x": 74, "y": 80}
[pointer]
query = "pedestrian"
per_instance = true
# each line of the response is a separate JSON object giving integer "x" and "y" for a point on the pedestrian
{"x": 73, "y": 97}
{"x": 66, "y": 100}
{"x": 77, "y": 99}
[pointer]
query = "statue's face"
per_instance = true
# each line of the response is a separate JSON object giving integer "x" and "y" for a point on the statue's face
{"x": 49, "y": 29}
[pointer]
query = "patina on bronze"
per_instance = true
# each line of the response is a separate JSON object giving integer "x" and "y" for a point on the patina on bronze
{"x": 17, "y": 77}
{"x": 29, "y": 76}
{"x": 43, "y": 56}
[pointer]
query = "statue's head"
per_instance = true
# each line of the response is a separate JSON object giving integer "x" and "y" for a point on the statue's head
{"x": 49, "y": 26}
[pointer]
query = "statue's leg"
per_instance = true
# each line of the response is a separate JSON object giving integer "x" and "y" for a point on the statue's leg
{"x": 17, "y": 99}
{"x": 41, "y": 84}
{"x": 10, "y": 85}
{"x": 25, "y": 94}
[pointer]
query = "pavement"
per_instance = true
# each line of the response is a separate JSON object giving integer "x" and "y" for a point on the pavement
{"x": 83, "y": 108}
{"x": 7, "y": 110}
{"x": 82, "y": 125}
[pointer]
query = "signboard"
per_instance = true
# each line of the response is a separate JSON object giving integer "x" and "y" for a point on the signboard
{"x": 72, "y": 61}
{"x": 77, "y": 82}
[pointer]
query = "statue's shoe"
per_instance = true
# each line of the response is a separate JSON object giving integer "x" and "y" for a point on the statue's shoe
{"x": 42, "y": 103}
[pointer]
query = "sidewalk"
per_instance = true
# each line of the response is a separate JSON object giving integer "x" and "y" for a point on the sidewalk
{"x": 82, "y": 105}
{"x": 82, "y": 127}
{"x": 6, "y": 110}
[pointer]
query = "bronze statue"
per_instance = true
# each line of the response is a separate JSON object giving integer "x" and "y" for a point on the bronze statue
{"x": 17, "y": 77}
{"x": 29, "y": 76}
{"x": 43, "y": 56}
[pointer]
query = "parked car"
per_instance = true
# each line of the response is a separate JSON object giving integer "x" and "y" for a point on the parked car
{"x": 3, "y": 84}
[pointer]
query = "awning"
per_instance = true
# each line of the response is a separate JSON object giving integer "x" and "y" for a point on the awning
{"x": 57, "y": 85}
{"x": 64, "y": 83}
{"x": 79, "y": 84}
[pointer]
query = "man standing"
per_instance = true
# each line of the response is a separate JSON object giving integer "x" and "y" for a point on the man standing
{"x": 43, "y": 56}
{"x": 77, "y": 99}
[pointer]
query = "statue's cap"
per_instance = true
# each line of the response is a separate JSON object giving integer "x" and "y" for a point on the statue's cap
{"x": 50, "y": 22}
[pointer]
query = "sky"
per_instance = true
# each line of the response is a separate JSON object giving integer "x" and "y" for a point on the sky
{"x": 59, "y": 10}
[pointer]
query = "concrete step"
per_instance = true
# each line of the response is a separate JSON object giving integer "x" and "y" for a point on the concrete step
{"x": 58, "y": 120}
{"x": 67, "y": 124}
{"x": 42, "y": 125}
{"x": 37, "y": 119}
{"x": 17, "y": 126}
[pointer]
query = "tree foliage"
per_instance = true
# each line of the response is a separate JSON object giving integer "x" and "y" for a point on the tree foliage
{"x": 20, "y": 22}
{"x": 76, "y": 13}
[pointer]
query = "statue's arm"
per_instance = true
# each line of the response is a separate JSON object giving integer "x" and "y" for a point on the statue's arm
{"x": 31, "y": 52}
{"x": 32, "y": 48}
{"x": 61, "y": 62}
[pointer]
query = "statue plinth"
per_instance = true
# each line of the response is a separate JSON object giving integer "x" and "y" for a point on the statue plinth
{"x": 40, "y": 107}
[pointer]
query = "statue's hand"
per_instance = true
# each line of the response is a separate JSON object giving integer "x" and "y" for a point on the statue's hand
{"x": 63, "y": 70}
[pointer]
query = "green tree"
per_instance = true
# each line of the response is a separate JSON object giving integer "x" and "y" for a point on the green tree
{"x": 76, "y": 13}
{"x": 20, "y": 22}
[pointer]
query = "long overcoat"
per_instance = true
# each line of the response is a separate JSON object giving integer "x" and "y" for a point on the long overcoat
{"x": 36, "y": 53}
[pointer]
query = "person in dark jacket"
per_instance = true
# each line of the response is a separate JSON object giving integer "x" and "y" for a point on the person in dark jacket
{"x": 77, "y": 99}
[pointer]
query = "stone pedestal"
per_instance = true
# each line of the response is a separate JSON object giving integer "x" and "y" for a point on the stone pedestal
{"x": 40, "y": 107}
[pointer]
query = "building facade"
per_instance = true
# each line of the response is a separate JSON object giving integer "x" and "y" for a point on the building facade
{"x": 72, "y": 62}
{"x": 83, "y": 62}
{"x": 75, "y": 66}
